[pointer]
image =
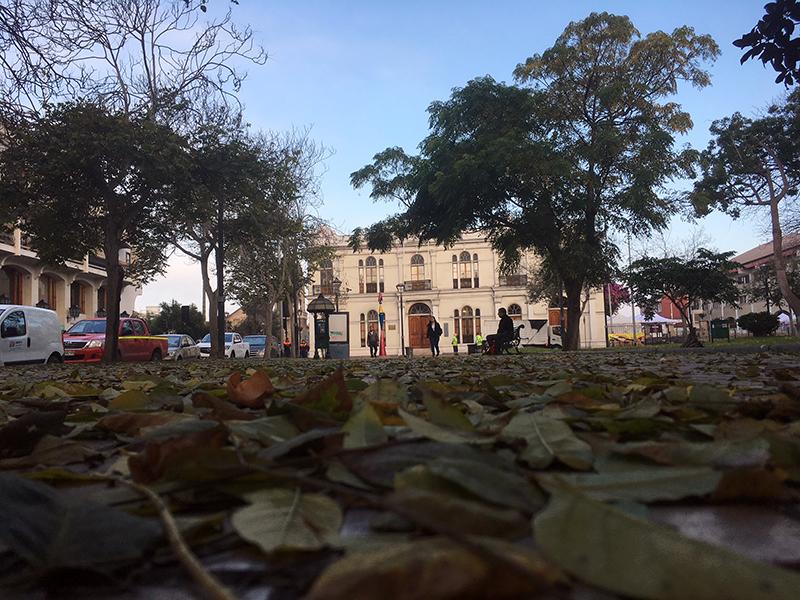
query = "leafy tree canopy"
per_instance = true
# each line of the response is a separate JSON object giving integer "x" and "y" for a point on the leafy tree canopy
{"x": 707, "y": 277}
{"x": 771, "y": 40}
{"x": 170, "y": 320}
{"x": 582, "y": 146}
{"x": 759, "y": 323}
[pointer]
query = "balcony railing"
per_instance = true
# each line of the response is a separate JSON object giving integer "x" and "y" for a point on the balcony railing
{"x": 418, "y": 285}
{"x": 513, "y": 280}
{"x": 98, "y": 262}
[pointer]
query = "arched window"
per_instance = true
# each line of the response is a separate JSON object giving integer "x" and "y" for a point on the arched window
{"x": 380, "y": 275}
{"x": 326, "y": 277}
{"x": 515, "y": 311}
{"x": 475, "y": 270}
{"x": 417, "y": 268}
{"x": 477, "y": 321}
{"x": 372, "y": 320}
{"x": 419, "y": 309}
{"x": 463, "y": 271}
{"x": 360, "y": 276}
{"x": 371, "y": 275}
{"x": 457, "y": 324}
{"x": 363, "y": 327}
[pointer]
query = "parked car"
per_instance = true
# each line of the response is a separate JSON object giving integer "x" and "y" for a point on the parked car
{"x": 235, "y": 346}
{"x": 29, "y": 335}
{"x": 180, "y": 346}
{"x": 85, "y": 341}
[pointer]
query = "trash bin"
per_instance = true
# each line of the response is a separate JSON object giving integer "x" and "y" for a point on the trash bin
{"x": 473, "y": 349}
{"x": 720, "y": 329}
{"x": 409, "y": 351}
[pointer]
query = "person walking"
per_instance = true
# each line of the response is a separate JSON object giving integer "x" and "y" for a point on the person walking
{"x": 433, "y": 334}
{"x": 372, "y": 341}
{"x": 454, "y": 341}
{"x": 479, "y": 342}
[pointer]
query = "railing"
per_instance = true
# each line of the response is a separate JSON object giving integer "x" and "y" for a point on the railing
{"x": 98, "y": 262}
{"x": 513, "y": 280}
{"x": 418, "y": 285}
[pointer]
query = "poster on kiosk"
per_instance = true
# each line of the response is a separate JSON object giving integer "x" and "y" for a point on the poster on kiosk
{"x": 339, "y": 332}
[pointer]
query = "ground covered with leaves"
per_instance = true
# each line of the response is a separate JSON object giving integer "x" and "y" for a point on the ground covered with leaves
{"x": 557, "y": 475}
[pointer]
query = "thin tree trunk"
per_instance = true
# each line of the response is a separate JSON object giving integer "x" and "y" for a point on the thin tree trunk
{"x": 268, "y": 328}
{"x": 572, "y": 333}
{"x": 212, "y": 301}
{"x": 780, "y": 263}
{"x": 219, "y": 253}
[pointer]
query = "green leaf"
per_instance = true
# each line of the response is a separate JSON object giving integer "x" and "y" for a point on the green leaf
{"x": 130, "y": 400}
{"x": 364, "y": 428}
{"x": 281, "y": 519}
{"x": 548, "y": 439}
{"x": 442, "y": 413}
{"x": 627, "y": 555}
{"x": 441, "y": 434}
{"x": 486, "y": 481}
{"x": 266, "y": 430}
{"x": 51, "y": 530}
{"x": 748, "y": 453}
{"x": 655, "y": 484}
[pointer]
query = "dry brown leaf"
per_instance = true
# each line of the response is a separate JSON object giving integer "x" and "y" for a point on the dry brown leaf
{"x": 751, "y": 484}
{"x": 133, "y": 423}
{"x": 221, "y": 410}
{"x": 150, "y": 464}
{"x": 249, "y": 392}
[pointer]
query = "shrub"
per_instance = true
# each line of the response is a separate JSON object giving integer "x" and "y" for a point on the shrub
{"x": 759, "y": 323}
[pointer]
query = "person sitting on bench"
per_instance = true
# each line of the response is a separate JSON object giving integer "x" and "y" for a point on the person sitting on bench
{"x": 505, "y": 333}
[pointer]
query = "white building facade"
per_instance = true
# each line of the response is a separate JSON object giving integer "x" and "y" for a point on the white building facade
{"x": 461, "y": 286}
{"x": 26, "y": 280}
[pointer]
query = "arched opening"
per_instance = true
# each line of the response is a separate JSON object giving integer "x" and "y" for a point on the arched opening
{"x": 515, "y": 311}
{"x": 102, "y": 300}
{"x": 48, "y": 291}
{"x": 419, "y": 314}
{"x": 77, "y": 296}
{"x": 11, "y": 284}
{"x": 417, "y": 268}
{"x": 372, "y": 320}
{"x": 467, "y": 326}
{"x": 371, "y": 275}
{"x": 363, "y": 329}
{"x": 360, "y": 276}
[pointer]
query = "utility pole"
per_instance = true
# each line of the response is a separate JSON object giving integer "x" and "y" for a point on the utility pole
{"x": 220, "y": 256}
{"x": 630, "y": 293}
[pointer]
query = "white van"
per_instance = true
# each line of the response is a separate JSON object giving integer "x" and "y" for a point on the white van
{"x": 29, "y": 335}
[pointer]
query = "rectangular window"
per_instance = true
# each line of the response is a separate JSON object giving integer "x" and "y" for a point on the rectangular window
{"x": 372, "y": 288}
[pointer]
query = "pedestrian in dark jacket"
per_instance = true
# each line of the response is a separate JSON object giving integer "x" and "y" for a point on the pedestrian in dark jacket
{"x": 433, "y": 334}
{"x": 372, "y": 341}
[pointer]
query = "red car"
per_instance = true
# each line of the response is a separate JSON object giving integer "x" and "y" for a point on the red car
{"x": 85, "y": 341}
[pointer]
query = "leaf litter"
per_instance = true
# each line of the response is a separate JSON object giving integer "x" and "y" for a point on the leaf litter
{"x": 554, "y": 474}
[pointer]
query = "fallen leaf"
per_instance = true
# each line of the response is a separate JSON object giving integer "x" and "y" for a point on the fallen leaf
{"x": 51, "y": 451}
{"x": 220, "y": 409}
{"x": 364, "y": 428}
{"x": 20, "y": 436}
{"x": 436, "y": 569}
{"x": 548, "y": 439}
{"x": 152, "y": 463}
{"x": 249, "y": 392}
{"x": 50, "y": 530}
{"x": 281, "y": 519}
{"x": 329, "y": 396}
{"x": 624, "y": 554}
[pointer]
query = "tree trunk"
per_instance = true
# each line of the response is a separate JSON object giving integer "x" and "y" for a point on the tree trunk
{"x": 115, "y": 274}
{"x": 268, "y": 329}
{"x": 780, "y": 263}
{"x": 572, "y": 333}
{"x": 212, "y": 301}
{"x": 219, "y": 254}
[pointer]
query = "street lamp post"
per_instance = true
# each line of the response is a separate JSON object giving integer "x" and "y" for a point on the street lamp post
{"x": 400, "y": 289}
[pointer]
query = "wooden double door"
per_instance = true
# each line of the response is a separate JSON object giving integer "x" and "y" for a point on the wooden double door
{"x": 418, "y": 317}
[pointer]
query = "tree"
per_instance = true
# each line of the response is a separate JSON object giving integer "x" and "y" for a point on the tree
{"x": 82, "y": 178}
{"x": 771, "y": 42}
{"x": 615, "y": 296}
{"x": 754, "y": 163}
{"x": 759, "y": 324}
{"x": 135, "y": 55}
{"x": 171, "y": 320}
{"x": 581, "y": 148}
{"x": 706, "y": 277}
{"x": 277, "y": 259}
{"x": 763, "y": 286}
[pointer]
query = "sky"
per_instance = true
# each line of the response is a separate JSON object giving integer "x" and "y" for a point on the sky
{"x": 361, "y": 74}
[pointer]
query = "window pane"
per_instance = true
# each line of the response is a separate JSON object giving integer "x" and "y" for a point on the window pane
{"x": 14, "y": 325}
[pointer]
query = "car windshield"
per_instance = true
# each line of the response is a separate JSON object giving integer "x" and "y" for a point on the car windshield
{"x": 88, "y": 327}
{"x": 207, "y": 338}
{"x": 173, "y": 340}
{"x": 258, "y": 340}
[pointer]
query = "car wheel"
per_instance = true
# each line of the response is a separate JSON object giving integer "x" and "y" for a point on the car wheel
{"x": 54, "y": 359}
{"x": 178, "y": 357}
{"x": 247, "y": 355}
{"x": 156, "y": 355}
